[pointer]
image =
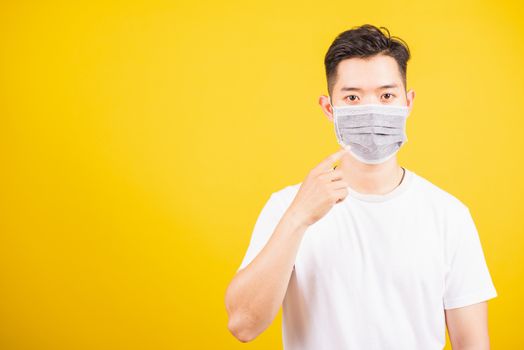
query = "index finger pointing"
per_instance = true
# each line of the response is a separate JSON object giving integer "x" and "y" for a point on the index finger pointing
{"x": 327, "y": 163}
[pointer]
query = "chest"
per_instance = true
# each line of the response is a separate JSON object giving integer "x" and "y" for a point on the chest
{"x": 360, "y": 247}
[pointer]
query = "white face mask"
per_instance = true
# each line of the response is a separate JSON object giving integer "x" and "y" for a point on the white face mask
{"x": 375, "y": 132}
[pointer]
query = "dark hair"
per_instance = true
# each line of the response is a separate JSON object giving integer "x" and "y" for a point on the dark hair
{"x": 365, "y": 41}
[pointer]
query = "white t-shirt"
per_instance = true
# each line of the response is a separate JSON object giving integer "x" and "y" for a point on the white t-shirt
{"x": 377, "y": 271}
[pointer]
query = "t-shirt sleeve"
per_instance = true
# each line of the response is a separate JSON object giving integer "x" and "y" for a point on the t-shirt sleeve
{"x": 467, "y": 279}
{"x": 265, "y": 224}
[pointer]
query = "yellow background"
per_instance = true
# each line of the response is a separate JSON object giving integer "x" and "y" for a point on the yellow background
{"x": 140, "y": 139}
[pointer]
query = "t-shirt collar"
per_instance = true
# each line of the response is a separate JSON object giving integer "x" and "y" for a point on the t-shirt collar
{"x": 408, "y": 177}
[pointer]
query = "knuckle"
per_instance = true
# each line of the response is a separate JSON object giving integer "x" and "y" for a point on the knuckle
{"x": 335, "y": 174}
{"x": 323, "y": 176}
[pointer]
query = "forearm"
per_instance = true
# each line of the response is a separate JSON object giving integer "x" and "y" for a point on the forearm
{"x": 477, "y": 343}
{"x": 472, "y": 347}
{"x": 256, "y": 293}
{"x": 472, "y": 340}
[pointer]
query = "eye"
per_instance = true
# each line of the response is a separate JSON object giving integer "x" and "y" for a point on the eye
{"x": 352, "y": 97}
{"x": 388, "y": 96}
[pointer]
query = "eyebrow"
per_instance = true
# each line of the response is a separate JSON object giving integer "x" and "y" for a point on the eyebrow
{"x": 388, "y": 86}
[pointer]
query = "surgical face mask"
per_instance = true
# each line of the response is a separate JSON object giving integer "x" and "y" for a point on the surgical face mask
{"x": 374, "y": 132}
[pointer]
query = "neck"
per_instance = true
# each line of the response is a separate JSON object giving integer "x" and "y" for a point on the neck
{"x": 371, "y": 178}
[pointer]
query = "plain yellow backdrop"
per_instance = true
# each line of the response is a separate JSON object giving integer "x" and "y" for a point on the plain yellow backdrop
{"x": 140, "y": 139}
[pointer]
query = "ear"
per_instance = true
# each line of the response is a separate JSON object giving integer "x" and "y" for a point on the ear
{"x": 410, "y": 97}
{"x": 323, "y": 101}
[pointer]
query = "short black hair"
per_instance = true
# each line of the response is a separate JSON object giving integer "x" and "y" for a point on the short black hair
{"x": 365, "y": 41}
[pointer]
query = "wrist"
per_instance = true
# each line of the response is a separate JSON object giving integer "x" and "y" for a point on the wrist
{"x": 296, "y": 218}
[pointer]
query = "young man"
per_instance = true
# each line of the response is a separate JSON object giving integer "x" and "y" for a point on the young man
{"x": 367, "y": 255}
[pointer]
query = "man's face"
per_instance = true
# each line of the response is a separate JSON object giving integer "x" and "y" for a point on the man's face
{"x": 374, "y": 80}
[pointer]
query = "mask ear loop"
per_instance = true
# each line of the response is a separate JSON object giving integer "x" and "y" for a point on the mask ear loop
{"x": 336, "y": 125}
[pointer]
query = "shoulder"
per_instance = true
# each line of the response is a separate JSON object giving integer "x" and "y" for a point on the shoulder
{"x": 285, "y": 195}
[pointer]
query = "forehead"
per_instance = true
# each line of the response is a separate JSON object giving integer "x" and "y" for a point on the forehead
{"x": 367, "y": 73}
